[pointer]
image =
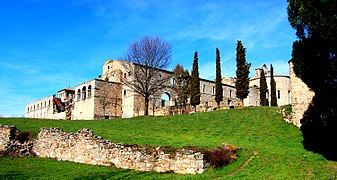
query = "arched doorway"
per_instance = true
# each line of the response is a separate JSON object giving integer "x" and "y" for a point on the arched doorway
{"x": 165, "y": 99}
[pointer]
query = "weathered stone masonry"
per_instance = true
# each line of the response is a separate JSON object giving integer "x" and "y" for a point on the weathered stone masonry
{"x": 7, "y": 133}
{"x": 13, "y": 143}
{"x": 301, "y": 97}
{"x": 85, "y": 147}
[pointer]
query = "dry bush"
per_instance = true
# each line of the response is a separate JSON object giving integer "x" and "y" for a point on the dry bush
{"x": 220, "y": 156}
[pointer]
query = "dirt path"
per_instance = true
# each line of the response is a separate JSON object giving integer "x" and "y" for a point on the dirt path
{"x": 241, "y": 167}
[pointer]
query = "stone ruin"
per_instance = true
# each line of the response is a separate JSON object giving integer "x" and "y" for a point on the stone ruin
{"x": 85, "y": 147}
{"x": 14, "y": 143}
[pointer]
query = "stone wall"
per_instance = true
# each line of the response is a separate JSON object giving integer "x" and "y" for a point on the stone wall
{"x": 7, "y": 133}
{"x": 103, "y": 101}
{"x": 254, "y": 96}
{"x": 84, "y": 147}
{"x": 15, "y": 144}
{"x": 301, "y": 97}
{"x": 108, "y": 100}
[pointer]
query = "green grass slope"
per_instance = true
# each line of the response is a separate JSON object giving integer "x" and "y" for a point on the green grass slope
{"x": 259, "y": 129}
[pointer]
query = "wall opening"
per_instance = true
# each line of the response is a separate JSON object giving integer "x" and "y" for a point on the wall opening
{"x": 84, "y": 95}
{"x": 278, "y": 94}
{"x": 165, "y": 99}
{"x": 89, "y": 91}
{"x": 78, "y": 95}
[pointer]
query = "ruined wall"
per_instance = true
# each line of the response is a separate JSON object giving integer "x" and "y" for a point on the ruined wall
{"x": 253, "y": 99}
{"x": 207, "y": 99}
{"x": 301, "y": 97}
{"x": 7, "y": 133}
{"x": 84, "y": 147}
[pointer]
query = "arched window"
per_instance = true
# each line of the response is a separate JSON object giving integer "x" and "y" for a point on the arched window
{"x": 89, "y": 91}
{"x": 28, "y": 109}
{"x": 84, "y": 95}
{"x": 34, "y": 107}
{"x": 49, "y": 103}
{"x": 78, "y": 94}
{"x": 37, "y": 106}
{"x": 41, "y": 105}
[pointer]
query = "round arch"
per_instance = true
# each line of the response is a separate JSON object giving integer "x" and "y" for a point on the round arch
{"x": 165, "y": 99}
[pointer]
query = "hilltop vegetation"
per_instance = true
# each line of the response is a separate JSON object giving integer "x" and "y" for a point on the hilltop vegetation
{"x": 260, "y": 129}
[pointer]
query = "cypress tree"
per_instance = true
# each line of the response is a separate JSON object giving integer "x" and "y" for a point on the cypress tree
{"x": 195, "y": 83}
{"x": 273, "y": 99}
{"x": 218, "y": 84}
{"x": 263, "y": 89}
{"x": 242, "y": 72}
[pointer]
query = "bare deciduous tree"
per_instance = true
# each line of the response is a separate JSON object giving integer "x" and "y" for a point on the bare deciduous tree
{"x": 144, "y": 61}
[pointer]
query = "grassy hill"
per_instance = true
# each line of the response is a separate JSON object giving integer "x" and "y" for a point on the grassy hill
{"x": 255, "y": 130}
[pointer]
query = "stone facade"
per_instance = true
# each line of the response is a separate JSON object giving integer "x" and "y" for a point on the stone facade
{"x": 98, "y": 99}
{"x": 84, "y": 147}
{"x": 42, "y": 108}
{"x": 207, "y": 99}
{"x": 283, "y": 88}
{"x": 108, "y": 97}
{"x": 301, "y": 97}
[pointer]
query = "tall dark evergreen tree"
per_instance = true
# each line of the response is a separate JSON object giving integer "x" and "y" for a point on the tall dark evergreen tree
{"x": 273, "y": 98}
{"x": 218, "y": 84}
{"x": 195, "y": 83}
{"x": 242, "y": 72}
{"x": 314, "y": 57}
{"x": 263, "y": 89}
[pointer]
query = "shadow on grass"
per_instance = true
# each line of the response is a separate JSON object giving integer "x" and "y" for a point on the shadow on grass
{"x": 319, "y": 124}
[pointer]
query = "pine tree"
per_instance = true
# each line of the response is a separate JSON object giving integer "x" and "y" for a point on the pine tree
{"x": 273, "y": 99}
{"x": 242, "y": 72}
{"x": 218, "y": 84}
{"x": 263, "y": 89}
{"x": 195, "y": 83}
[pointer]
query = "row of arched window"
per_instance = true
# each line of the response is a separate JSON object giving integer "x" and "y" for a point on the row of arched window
{"x": 84, "y": 92}
{"x": 38, "y": 106}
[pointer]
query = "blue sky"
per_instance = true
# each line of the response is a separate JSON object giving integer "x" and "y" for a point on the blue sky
{"x": 48, "y": 45}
